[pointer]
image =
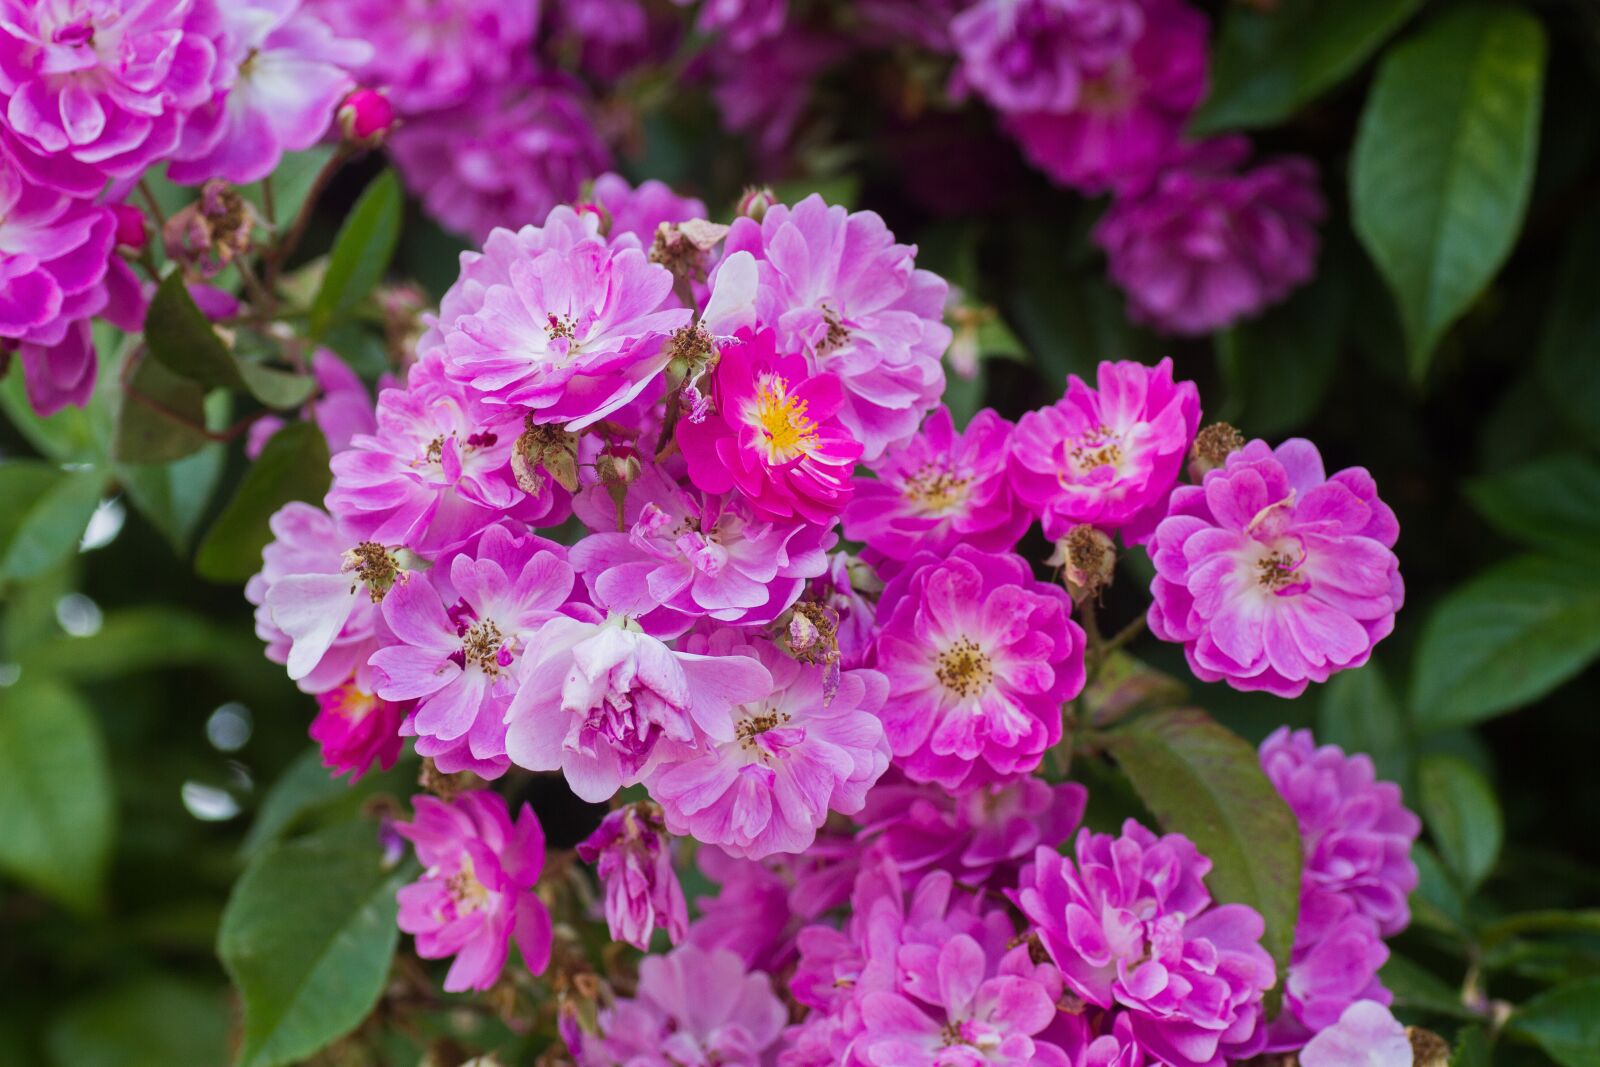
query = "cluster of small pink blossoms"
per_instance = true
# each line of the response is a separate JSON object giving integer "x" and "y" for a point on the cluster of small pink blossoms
{"x": 851, "y": 733}
{"x": 96, "y": 93}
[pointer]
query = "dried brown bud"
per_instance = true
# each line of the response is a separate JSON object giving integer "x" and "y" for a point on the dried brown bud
{"x": 616, "y": 473}
{"x": 446, "y": 786}
{"x": 681, "y": 247}
{"x": 1212, "y": 447}
{"x": 212, "y": 232}
{"x": 541, "y": 450}
{"x": 1428, "y": 1049}
{"x": 1088, "y": 560}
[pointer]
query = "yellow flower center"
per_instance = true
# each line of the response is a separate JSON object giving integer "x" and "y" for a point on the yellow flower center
{"x": 785, "y": 427}
{"x": 936, "y": 488}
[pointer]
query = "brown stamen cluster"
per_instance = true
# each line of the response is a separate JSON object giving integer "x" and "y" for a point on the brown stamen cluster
{"x": 1212, "y": 447}
{"x": 937, "y": 487}
{"x": 1276, "y": 570}
{"x": 481, "y": 645}
{"x": 964, "y": 668}
{"x": 373, "y": 566}
{"x": 838, "y": 334}
{"x": 750, "y": 730}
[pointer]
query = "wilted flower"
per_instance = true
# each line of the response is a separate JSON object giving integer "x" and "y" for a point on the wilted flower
{"x": 634, "y": 861}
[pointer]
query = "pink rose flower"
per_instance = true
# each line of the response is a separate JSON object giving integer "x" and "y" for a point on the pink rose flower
{"x": 1366, "y": 1035}
{"x": 1128, "y": 118}
{"x": 356, "y": 729}
{"x": 108, "y": 84}
{"x": 641, "y": 211}
{"x": 460, "y": 631}
{"x": 283, "y": 73}
{"x": 1036, "y": 55}
{"x": 633, "y": 858}
{"x": 940, "y": 489}
{"x": 1205, "y": 244}
{"x": 794, "y": 757}
{"x": 476, "y": 894}
{"x": 980, "y": 657}
{"x": 1273, "y": 575}
{"x": 682, "y": 555}
{"x": 595, "y": 699}
{"x": 777, "y": 436}
{"x": 1110, "y": 456}
{"x": 1131, "y": 924}
{"x": 840, "y": 290}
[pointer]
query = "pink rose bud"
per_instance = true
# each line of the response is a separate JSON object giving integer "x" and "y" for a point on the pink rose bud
{"x": 755, "y": 201}
{"x": 132, "y": 233}
{"x": 366, "y": 117}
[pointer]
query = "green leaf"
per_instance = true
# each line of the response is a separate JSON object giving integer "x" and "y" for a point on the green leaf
{"x": 1565, "y": 1022}
{"x": 292, "y": 182}
{"x": 293, "y": 466}
{"x": 1505, "y": 639}
{"x": 1359, "y": 713}
{"x": 1444, "y": 160}
{"x": 1472, "y": 1049}
{"x": 1437, "y": 902}
{"x": 1268, "y": 64}
{"x": 182, "y": 338}
{"x": 162, "y": 421}
{"x": 151, "y": 1022}
{"x": 1463, "y": 816}
{"x": 175, "y": 496}
{"x": 307, "y": 936}
{"x": 56, "y": 810}
{"x": 361, "y": 253}
{"x": 303, "y": 788}
{"x": 1569, "y": 346}
{"x": 45, "y": 514}
{"x": 1551, "y": 503}
{"x": 1200, "y": 780}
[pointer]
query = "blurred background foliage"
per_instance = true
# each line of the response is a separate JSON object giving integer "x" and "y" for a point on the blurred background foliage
{"x": 1450, "y": 344}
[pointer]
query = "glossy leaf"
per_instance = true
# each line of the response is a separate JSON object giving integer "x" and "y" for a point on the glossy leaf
{"x": 1200, "y": 780}
{"x": 1564, "y": 1022}
{"x": 1505, "y": 639}
{"x": 175, "y": 496}
{"x": 1472, "y": 1049}
{"x": 1416, "y": 988}
{"x": 45, "y": 513}
{"x": 307, "y": 936}
{"x": 181, "y": 338}
{"x": 1462, "y": 815}
{"x": 1444, "y": 161}
{"x": 361, "y": 253}
{"x": 1551, "y": 503}
{"x": 1266, "y": 65}
{"x": 56, "y": 809}
{"x": 293, "y": 466}
{"x": 1359, "y": 713}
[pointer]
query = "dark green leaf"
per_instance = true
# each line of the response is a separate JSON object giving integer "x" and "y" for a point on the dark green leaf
{"x": 182, "y": 338}
{"x": 1551, "y": 503}
{"x": 1505, "y": 639}
{"x": 1565, "y": 1022}
{"x": 174, "y": 496}
{"x": 293, "y": 466}
{"x": 1444, "y": 160}
{"x": 1200, "y": 780}
{"x": 1359, "y": 713}
{"x": 45, "y": 513}
{"x": 151, "y": 1022}
{"x": 63, "y": 437}
{"x": 1462, "y": 815}
{"x": 55, "y": 792}
{"x": 361, "y": 252}
{"x": 1267, "y": 64}
{"x": 308, "y": 935}
{"x": 159, "y": 417}
{"x": 1437, "y": 903}
{"x": 1569, "y": 347}
{"x": 1472, "y": 1049}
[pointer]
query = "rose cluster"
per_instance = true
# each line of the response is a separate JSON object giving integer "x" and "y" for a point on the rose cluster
{"x": 792, "y": 614}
